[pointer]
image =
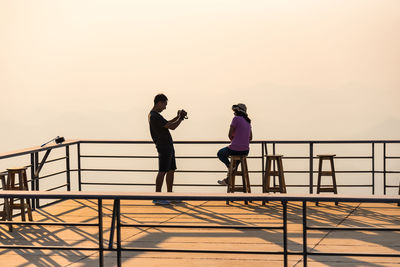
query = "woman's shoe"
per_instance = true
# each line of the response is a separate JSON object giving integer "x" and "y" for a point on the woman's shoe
{"x": 223, "y": 181}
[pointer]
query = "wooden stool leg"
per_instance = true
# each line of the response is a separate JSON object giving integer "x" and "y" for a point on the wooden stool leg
{"x": 398, "y": 204}
{"x": 10, "y": 186}
{"x": 244, "y": 181}
{"x": 28, "y": 200}
{"x": 319, "y": 178}
{"x": 282, "y": 184}
{"x": 266, "y": 178}
{"x": 22, "y": 200}
{"x": 334, "y": 178}
{"x": 231, "y": 179}
{"x": 246, "y": 171}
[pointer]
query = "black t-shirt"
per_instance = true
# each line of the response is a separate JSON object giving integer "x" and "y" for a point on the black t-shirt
{"x": 159, "y": 133}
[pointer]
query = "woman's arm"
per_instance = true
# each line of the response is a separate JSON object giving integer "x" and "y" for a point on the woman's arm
{"x": 251, "y": 135}
{"x": 231, "y": 133}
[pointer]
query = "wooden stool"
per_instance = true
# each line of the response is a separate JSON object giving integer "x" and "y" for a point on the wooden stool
{"x": 22, "y": 185}
{"x": 232, "y": 172}
{"x": 5, "y": 213}
{"x": 281, "y": 187}
{"x": 266, "y": 183}
{"x": 331, "y": 173}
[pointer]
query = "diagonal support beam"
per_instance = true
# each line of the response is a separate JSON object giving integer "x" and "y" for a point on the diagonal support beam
{"x": 39, "y": 168}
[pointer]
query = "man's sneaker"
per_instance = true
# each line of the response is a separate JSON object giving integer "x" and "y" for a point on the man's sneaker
{"x": 160, "y": 202}
{"x": 223, "y": 182}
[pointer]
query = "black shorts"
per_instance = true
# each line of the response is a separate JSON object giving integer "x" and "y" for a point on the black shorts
{"x": 166, "y": 158}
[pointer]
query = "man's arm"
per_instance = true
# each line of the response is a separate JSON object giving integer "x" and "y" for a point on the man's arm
{"x": 174, "y": 123}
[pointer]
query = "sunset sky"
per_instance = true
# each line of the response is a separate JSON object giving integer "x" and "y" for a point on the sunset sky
{"x": 315, "y": 69}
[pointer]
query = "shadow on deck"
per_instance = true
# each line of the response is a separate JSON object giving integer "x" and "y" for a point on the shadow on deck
{"x": 206, "y": 213}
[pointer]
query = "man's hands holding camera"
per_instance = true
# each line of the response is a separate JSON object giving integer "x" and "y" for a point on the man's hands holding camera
{"x": 182, "y": 114}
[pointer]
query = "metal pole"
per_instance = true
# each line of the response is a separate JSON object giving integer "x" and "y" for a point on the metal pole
{"x": 311, "y": 155}
{"x": 262, "y": 161}
{"x": 101, "y": 247}
{"x": 37, "y": 183}
{"x": 384, "y": 168}
{"x": 304, "y": 233}
{"x": 273, "y": 151}
{"x": 68, "y": 168}
{"x": 79, "y": 167}
{"x": 285, "y": 250}
{"x": 373, "y": 168}
{"x": 112, "y": 230}
{"x": 118, "y": 232}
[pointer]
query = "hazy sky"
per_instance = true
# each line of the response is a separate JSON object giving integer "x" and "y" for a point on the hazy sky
{"x": 307, "y": 69}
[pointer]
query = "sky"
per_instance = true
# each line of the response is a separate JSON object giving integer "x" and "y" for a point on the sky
{"x": 89, "y": 69}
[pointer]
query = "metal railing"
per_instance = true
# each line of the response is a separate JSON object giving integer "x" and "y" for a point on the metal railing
{"x": 266, "y": 147}
{"x": 119, "y": 248}
{"x": 39, "y": 157}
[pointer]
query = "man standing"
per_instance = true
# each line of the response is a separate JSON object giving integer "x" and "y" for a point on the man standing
{"x": 159, "y": 129}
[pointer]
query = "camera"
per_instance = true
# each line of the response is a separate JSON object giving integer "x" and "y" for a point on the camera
{"x": 183, "y": 115}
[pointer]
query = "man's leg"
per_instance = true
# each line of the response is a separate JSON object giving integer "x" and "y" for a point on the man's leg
{"x": 170, "y": 180}
{"x": 159, "y": 181}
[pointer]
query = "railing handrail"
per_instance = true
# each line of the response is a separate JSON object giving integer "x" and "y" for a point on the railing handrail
{"x": 198, "y": 196}
{"x": 35, "y": 149}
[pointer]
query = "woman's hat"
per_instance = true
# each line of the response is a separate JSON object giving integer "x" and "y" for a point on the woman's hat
{"x": 240, "y": 107}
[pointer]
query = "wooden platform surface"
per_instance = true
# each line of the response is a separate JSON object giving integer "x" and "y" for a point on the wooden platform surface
{"x": 206, "y": 213}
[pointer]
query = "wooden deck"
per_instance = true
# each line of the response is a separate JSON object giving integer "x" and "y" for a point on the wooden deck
{"x": 205, "y": 213}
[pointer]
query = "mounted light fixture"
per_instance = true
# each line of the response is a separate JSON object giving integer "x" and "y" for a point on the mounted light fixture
{"x": 58, "y": 140}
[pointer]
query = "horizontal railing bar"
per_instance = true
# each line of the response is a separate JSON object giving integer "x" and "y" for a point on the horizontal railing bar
{"x": 203, "y": 251}
{"x": 87, "y": 141}
{"x": 198, "y": 196}
{"x": 212, "y": 157}
{"x": 216, "y": 185}
{"x": 203, "y": 171}
{"x": 49, "y": 223}
{"x": 50, "y": 175}
{"x": 352, "y": 254}
{"x": 54, "y": 160}
{"x": 203, "y": 226}
{"x": 351, "y": 228}
{"x": 49, "y": 247}
{"x": 57, "y": 187}
{"x": 155, "y": 157}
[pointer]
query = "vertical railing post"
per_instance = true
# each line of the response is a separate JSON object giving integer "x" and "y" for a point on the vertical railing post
{"x": 384, "y": 168}
{"x": 33, "y": 179}
{"x": 262, "y": 160}
{"x": 68, "y": 168}
{"x": 311, "y": 178}
{"x": 373, "y": 168}
{"x": 37, "y": 181}
{"x": 118, "y": 215}
{"x": 79, "y": 167}
{"x": 274, "y": 152}
{"x": 305, "y": 233}
{"x": 285, "y": 250}
{"x": 100, "y": 220}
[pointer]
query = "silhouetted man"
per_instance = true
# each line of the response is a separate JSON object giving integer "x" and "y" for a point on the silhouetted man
{"x": 159, "y": 129}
